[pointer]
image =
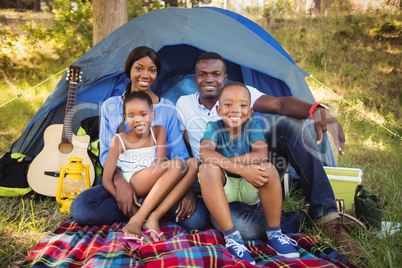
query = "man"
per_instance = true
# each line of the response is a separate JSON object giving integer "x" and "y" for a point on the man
{"x": 287, "y": 138}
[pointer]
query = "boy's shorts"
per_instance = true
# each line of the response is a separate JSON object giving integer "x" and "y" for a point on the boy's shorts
{"x": 238, "y": 189}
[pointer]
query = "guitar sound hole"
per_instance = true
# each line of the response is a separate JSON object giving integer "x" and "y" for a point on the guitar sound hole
{"x": 66, "y": 147}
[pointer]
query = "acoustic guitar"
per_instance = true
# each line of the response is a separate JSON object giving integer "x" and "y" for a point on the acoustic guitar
{"x": 60, "y": 143}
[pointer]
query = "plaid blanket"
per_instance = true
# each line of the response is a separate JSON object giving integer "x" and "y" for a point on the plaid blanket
{"x": 99, "y": 246}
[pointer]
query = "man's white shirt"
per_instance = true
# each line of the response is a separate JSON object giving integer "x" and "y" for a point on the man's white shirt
{"x": 194, "y": 117}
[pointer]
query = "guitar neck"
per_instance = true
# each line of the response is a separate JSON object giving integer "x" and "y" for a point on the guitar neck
{"x": 68, "y": 126}
{"x": 73, "y": 76}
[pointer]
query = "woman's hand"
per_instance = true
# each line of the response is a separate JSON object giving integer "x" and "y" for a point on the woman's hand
{"x": 186, "y": 206}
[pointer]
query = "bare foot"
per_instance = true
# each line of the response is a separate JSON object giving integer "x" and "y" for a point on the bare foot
{"x": 152, "y": 223}
{"x": 132, "y": 228}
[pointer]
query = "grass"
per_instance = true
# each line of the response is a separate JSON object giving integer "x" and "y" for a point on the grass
{"x": 342, "y": 51}
{"x": 24, "y": 221}
{"x": 357, "y": 56}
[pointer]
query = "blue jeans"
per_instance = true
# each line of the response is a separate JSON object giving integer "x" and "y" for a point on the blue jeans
{"x": 96, "y": 206}
{"x": 291, "y": 141}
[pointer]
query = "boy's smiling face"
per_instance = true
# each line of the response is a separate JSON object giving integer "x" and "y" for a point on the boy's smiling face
{"x": 234, "y": 106}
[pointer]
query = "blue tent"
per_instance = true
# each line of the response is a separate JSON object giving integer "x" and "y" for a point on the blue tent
{"x": 179, "y": 35}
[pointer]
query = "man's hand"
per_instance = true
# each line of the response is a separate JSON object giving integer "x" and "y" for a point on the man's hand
{"x": 255, "y": 175}
{"x": 126, "y": 198}
{"x": 186, "y": 206}
{"x": 324, "y": 121}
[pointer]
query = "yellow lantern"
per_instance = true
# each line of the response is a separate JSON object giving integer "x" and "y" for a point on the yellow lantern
{"x": 72, "y": 184}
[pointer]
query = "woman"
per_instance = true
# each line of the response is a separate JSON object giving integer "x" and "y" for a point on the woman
{"x": 96, "y": 206}
{"x": 143, "y": 67}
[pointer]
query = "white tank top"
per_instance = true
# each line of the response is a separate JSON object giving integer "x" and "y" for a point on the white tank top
{"x": 133, "y": 160}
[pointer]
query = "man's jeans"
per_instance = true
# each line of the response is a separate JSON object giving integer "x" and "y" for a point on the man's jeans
{"x": 96, "y": 206}
{"x": 290, "y": 140}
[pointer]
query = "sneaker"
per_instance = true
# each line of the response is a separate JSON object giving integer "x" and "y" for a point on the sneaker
{"x": 336, "y": 230}
{"x": 283, "y": 246}
{"x": 238, "y": 249}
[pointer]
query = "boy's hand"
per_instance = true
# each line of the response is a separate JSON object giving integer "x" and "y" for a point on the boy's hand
{"x": 255, "y": 175}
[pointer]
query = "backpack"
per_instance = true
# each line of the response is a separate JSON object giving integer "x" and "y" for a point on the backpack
{"x": 13, "y": 174}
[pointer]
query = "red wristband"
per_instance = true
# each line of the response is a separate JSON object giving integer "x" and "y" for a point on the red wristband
{"x": 310, "y": 113}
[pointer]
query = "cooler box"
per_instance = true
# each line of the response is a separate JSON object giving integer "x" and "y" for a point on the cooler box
{"x": 344, "y": 182}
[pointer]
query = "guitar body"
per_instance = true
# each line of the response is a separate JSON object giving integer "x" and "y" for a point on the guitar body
{"x": 43, "y": 174}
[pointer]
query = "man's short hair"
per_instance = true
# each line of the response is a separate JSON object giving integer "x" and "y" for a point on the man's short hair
{"x": 211, "y": 56}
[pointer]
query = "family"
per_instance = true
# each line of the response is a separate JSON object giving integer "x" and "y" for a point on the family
{"x": 145, "y": 148}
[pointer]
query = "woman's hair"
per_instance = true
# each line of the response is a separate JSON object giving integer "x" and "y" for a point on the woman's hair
{"x": 139, "y": 53}
{"x": 139, "y": 95}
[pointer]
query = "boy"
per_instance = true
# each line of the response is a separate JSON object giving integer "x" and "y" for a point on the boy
{"x": 235, "y": 168}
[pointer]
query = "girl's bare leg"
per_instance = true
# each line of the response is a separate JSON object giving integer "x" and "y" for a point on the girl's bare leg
{"x": 155, "y": 183}
{"x": 179, "y": 190}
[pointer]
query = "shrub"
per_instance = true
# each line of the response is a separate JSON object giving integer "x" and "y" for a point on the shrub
{"x": 6, "y": 48}
{"x": 72, "y": 28}
{"x": 388, "y": 29}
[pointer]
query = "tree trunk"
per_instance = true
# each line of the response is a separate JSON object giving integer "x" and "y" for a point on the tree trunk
{"x": 19, "y": 5}
{"x": 227, "y": 4}
{"x": 313, "y": 6}
{"x": 36, "y": 6}
{"x": 317, "y": 7}
{"x": 108, "y": 15}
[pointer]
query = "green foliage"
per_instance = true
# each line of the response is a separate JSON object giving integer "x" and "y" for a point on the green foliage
{"x": 337, "y": 5}
{"x": 266, "y": 13}
{"x": 302, "y": 33}
{"x": 135, "y": 9}
{"x": 278, "y": 7}
{"x": 72, "y": 28}
{"x": 35, "y": 32}
{"x": 388, "y": 29}
{"x": 138, "y": 7}
{"x": 7, "y": 38}
{"x": 6, "y": 49}
{"x": 353, "y": 22}
{"x": 316, "y": 58}
{"x": 71, "y": 33}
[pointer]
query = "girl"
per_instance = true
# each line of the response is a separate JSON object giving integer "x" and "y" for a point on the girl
{"x": 141, "y": 155}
